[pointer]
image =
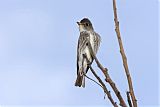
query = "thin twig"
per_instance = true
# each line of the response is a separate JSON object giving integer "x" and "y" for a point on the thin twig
{"x": 102, "y": 84}
{"x": 124, "y": 58}
{"x": 92, "y": 80}
{"x": 108, "y": 79}
{"x": 128, "y": 99}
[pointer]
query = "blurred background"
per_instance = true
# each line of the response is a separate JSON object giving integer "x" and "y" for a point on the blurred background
{"x": 38, "y": 42}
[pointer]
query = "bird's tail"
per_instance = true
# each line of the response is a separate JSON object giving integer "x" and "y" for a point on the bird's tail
{"x": 80, "y": 81}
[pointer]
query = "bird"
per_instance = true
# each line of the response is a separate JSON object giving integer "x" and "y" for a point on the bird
{"x": 86, "y": 32}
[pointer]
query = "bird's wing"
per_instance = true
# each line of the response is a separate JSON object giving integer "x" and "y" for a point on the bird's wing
{"x": 97, "y": 41}
{"x": 81, "y": 45}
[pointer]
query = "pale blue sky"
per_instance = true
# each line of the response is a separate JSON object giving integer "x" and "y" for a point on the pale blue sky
{"x": 38, "y": 40}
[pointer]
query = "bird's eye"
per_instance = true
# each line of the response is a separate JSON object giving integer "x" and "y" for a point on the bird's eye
{"x": 87, "y": 24}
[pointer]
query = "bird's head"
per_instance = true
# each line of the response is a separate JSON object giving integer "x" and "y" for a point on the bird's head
{"x": 85, "y": 25}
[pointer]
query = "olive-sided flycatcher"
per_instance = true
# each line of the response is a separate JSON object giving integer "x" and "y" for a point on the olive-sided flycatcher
{"x": 86, "y": 32}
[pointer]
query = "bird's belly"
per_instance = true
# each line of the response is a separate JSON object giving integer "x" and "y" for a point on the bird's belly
{"x": 88, "y": 54}
{"x": 87, "y": 50}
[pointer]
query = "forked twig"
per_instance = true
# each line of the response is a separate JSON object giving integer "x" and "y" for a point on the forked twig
{"x": 102, "y": 84}
{"x": 107, "y": 77}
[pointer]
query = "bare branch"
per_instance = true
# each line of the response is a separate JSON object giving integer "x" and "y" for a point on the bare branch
{"x": 102, "y": 84}
{"x": 124, "y": 58}
{"x": 107, "y": 78}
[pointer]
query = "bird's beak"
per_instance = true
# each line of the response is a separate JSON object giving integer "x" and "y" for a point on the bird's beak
{"x": 79, "y": 23}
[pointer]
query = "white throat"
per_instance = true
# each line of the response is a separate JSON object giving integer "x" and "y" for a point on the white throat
{"x": 81, "y": 28}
